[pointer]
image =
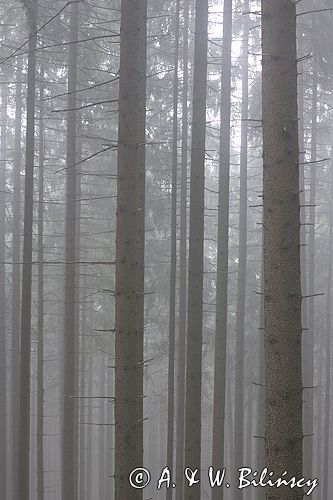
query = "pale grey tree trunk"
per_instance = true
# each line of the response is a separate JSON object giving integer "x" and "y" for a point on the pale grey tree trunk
{"x": 181, "y": 362}
{"x": 242, "y": 266}
{"x": 173, "y": 252}
{"x": 16, "y": 277}
{"x": 222, "y": 252}
{"x": 40, "y": 300}
{"x": 22, "y": 477}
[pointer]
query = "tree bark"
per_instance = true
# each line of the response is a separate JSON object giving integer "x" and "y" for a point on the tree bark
{"x": 196, "y": 254}
{"x": 181, "y": 363}
{"x": 173, "y": 252}
{"x": 3, "y": 337}
{"x": 40, "y": 300}
{"x": 22, "y": 477}
{"x": 16, "y": 277}
{"x": 327, "y": 423}
{"x": 282, "y": 291}
{"x": 130, "y": 249}
{"x": 222, "y": 252}
{"x": 69, "y": 458}
{"x": 242, "y": 266}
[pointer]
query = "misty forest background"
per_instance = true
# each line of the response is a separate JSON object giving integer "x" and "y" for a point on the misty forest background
{"x": 75, "y": 343}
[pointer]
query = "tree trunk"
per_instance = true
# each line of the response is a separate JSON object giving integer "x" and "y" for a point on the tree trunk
{"x": 327, "y": 423}
{"x": 22, "y": 477}
{"x": 196, "y": 254}
{"x": 310, "y": 334}
{"x": 181, "y": 364}
{"x": 282, "y": 291}
{"x": 40, "y": 301}
{"x": 16, "y": 277}
{"x": 3, "y": 337}
{"x": 69, "y": 472}
{"x": 130, "y": 249}
{"x": 173, "y": 269}
{"x": 222, "y": 252}
{"x": 242, "y": 266}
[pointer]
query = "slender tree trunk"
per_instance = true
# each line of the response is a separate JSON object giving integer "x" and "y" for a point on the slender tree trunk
{"x": 196, "y": 254}
{"x": 40, "y": 299}
{"x": 328, "y": 349}
{"x": 283, "y": 325}
{"x": 102, "y": 434}
{"x": 242, "y": 266}
{"x": 181, "y": 363}
{"x": 16, "y": 277}
{"x": 222, "y": 252}
{"x": 310, "y": 334}
{"x": 69, "y": 472}
{"x": 173, "y": 269}
{"x": 22, "y": 477}
{"x": 3, "y": 339}
{"x": 260, "y": 448}
{"x": 130, "y": 249}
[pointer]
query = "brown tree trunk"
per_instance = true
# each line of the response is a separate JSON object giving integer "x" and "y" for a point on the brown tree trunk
{"x": 282, "y": 290}
{"x": 196, "y": 239}
{"x": 130, "y": 249}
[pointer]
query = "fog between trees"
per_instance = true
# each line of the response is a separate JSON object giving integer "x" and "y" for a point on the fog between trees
{"x": 166, "y": 248}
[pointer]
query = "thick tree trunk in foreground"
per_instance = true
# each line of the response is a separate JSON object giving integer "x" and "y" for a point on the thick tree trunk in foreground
{"x": 195, "y": 282}
{"x": 222, "y": 253}
{"x": 23, "y": 471}
{"x": 282, "y": 290}
{"x": 130, "y": 249}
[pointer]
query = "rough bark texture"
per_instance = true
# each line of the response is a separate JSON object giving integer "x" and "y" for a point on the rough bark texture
{"x": 195, "y": 282}
{"x": 222, "y": 252}
{"x": 69, "y": 472}
{"x": 130, "y": 248}
{"x": 22, "y": 477}
{"x": 282, "y": 290}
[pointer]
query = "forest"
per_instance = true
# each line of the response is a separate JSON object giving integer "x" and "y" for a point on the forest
{"x": 166, "y": 249}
